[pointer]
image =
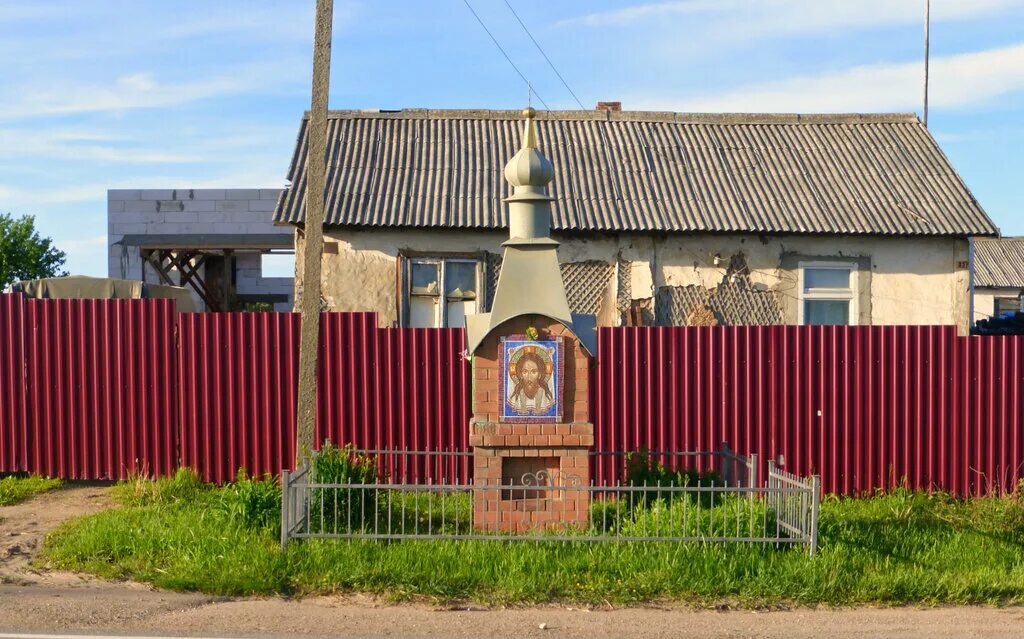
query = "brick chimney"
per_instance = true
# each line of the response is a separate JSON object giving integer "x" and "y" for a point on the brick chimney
{"x": 609, "y": 106}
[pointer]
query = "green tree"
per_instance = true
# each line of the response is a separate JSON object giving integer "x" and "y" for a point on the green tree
{"x": 24, "y": 255}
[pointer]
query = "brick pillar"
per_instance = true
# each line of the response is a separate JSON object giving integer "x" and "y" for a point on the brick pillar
{"x": 555, "y": 455}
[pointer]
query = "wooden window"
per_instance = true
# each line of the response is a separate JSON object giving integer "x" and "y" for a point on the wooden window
{"x": 441, "y": 291}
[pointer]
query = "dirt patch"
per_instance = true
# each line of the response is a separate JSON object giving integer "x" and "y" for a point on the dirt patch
{"x": 24, "y": 526}
{"x": 130, "y": 608}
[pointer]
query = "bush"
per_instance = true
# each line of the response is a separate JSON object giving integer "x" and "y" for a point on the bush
{"x": 643, "y": 470}
{"x": 339, "y": 509}
{"x": 252, "y": 503}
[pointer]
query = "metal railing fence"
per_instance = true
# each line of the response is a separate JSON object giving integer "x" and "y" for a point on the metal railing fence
{"x": 796, "y": 512}
{"x": 539, "y": 506}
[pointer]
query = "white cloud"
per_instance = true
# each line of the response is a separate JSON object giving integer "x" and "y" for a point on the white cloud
{"x": 143, "y": 90}
{"x": 956, "y": 81}
{"x": 744, "y": 18}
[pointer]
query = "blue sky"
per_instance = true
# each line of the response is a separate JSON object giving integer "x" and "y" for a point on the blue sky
{"x": 153, "y": 94}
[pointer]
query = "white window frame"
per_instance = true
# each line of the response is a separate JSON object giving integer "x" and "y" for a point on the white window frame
{"x": 441, "y": 261}
{"x": 829, "y": 294}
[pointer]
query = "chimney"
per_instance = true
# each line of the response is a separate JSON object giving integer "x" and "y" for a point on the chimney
{"x": 609, "y": 106}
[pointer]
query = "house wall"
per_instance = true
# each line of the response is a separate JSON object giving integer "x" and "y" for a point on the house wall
{"x": 985, "y": 300}
{"x": 902, "y": 280}
{"x": 194, "y": 212}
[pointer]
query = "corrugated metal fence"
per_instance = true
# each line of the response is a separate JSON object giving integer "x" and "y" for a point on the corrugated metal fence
{"x": 100, "y": 389}
{"x": 88, "y": 387}
{"x": 864, "y": 407}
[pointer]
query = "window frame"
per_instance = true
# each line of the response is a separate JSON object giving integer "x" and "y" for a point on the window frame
{"x": 850, "y": 294}
{"x": 441, "y": 260}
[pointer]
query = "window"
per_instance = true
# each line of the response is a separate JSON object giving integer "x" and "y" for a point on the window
{"x": 441, "y": 292}
{"x": 1007, "y": 306}
{"x": 828, "y": 293}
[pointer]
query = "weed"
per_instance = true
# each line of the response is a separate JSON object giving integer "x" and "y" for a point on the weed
{"x": 14, "y": 489}
{"x": 252, "y": 503}
{"x": 139, "y": 490}
{"x": 336, "y": 509}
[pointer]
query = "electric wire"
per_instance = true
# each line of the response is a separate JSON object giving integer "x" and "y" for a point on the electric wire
{"x": 550, "y": 63}
{"x": 495, "y": 41}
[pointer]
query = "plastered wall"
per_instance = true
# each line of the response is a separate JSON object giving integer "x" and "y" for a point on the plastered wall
{"x": 909, "y": 280}
{"x": 985, "y": 300}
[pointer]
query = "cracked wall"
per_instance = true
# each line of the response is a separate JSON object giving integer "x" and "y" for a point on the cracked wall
{"x": 903, "y": 280}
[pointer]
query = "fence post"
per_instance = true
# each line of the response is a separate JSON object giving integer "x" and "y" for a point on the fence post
{"x": 815, "y": 503}
{"x": 752, "y": 474}
{"x": 285, "y": 525}
{"x": 727, "y": 462}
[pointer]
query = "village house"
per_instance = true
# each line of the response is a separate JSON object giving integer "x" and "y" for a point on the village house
{"x": 998, "y": 276}
{"x": 662, "y": 218}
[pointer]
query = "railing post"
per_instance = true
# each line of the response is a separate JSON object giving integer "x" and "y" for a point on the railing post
{"x": 752, "y": 474}
{"x": 727, "y": 463}
{"x": 815, "y": 503}
{"x": 285, "y": 480}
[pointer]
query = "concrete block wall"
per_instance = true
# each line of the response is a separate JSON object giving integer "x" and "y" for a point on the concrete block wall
{"x": 194, "y": 212}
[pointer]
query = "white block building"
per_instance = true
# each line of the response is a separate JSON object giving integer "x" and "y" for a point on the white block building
{"x": 221, "y": 243}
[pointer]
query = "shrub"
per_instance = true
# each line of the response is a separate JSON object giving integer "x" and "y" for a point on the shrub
{"x": 643, "y": 470}
{"x": 337, "y": 509}
{"x": 250, "y": 502}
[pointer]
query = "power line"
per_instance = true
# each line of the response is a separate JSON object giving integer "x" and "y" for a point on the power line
{"x": 550, "y": 63}
{"x": 495, "y": 41}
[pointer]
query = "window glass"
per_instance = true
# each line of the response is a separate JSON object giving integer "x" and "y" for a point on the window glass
{"x": 424, "y": 312}
{"x": 826, "y": 278}
{"x": 457, "y": 312}
{"x": 820, "y": 312}
{"x": 460, "y": 280}
{"x": 1007, "y": 305}
{"x": 424, "y": 278}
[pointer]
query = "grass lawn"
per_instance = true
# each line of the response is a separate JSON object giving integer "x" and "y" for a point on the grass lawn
{"x": 14, "y": 489}
{"x": 890, "y": 549}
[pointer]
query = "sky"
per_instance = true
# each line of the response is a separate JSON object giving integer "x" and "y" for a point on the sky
{"x": 103, "y": 94}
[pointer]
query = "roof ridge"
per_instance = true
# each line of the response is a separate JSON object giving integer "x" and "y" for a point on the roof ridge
{"x": 629, "y": 116}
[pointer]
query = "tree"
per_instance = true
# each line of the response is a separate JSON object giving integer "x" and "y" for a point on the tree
{"x": 24, "y": 255}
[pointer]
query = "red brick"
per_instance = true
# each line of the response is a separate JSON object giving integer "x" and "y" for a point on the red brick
{"x": 487, "y": 407}
{"x": 481, "y": 373}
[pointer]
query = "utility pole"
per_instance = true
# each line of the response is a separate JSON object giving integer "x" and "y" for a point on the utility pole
{"x": 927, "y": 23}
{"x": 316, "y": 169}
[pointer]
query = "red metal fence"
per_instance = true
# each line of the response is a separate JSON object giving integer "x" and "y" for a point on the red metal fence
{"x": 88, "y": 387}
{"x": 386, "y": 389}
{"x": 99, "y": 389}
{"x": 864, "y": 407}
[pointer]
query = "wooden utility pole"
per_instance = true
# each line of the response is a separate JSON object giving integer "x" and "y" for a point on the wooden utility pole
{"x": 313, "y": 246}
{"x": 927, "y": 28}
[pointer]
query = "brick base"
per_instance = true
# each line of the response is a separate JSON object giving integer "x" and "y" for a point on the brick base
{"x": 555, "y": 454}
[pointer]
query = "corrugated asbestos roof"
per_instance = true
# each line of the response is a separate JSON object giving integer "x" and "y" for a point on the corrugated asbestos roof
{"x": 999, "y": 262}
{"x": 637, "y": 171}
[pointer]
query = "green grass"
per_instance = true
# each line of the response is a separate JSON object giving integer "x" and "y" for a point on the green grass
{"x": 891, "y": 549}
{"x": 14, "y": 489}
